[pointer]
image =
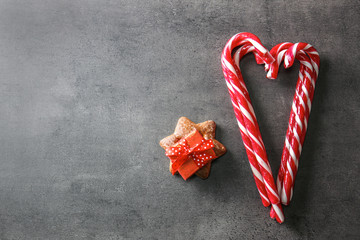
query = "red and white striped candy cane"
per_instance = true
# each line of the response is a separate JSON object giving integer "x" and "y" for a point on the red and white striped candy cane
{"x": 245, "y": 49}
{"x": 309, "y": 66}
{"x": 301, "y": 107}
{"x": 246, "y": 117}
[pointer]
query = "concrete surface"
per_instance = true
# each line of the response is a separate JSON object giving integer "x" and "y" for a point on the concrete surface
{"x": 88, "y": 88}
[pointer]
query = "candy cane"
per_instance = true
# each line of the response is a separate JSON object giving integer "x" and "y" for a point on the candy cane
{"x": 246, "y": 117}
{"x": 245, "y": 49}
{"x": 301, "y": 107}
{"x": 309, "y": 68}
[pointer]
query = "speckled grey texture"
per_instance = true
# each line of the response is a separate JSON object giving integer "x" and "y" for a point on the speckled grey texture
{"x": 88, "y": 88}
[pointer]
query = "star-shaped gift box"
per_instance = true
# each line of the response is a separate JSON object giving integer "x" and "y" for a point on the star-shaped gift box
{"x": 186, "y": 132}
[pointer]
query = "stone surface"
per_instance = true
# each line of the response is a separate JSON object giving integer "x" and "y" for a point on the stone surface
{"x": 88, "y": 88}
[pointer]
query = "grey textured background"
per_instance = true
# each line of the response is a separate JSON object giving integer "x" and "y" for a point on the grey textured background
{"x": 88, "y": 88}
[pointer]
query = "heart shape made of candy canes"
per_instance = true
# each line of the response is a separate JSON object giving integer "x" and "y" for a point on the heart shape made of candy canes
{"x": 238, "y": 46}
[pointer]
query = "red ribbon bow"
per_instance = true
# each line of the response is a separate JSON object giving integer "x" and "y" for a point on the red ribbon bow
{"x": 190, "y": 154}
